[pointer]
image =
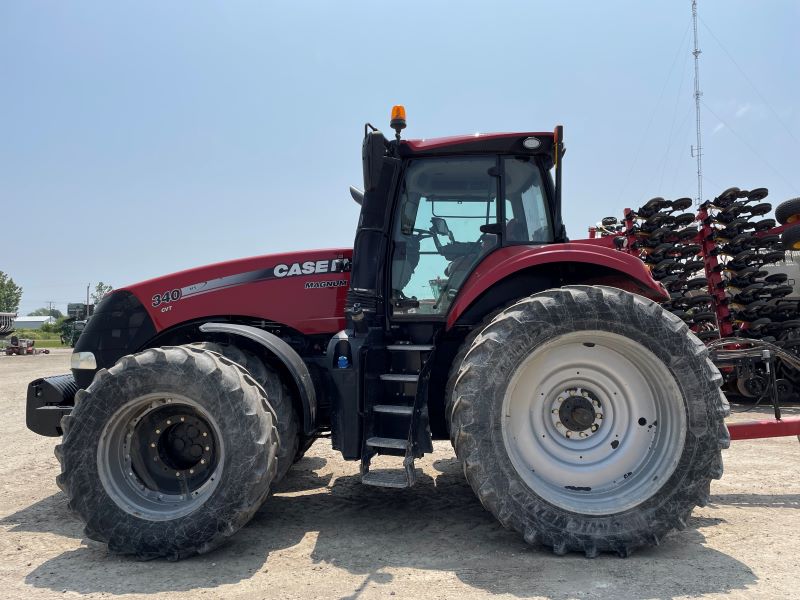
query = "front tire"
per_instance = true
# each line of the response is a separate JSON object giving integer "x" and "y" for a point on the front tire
{"x": 168, "y": 453}
{"x": 588, "y": 419}
{"x": 278, "y": 396}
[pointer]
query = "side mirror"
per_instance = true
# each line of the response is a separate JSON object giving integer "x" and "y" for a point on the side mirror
{"x": 439, "y": 226}
{"x": 357, "y": 195}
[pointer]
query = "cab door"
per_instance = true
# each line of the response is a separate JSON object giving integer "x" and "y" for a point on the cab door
{"x": 445, "y": 223}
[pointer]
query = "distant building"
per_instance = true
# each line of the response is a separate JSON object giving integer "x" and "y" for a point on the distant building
{"x": 32, "y": 322}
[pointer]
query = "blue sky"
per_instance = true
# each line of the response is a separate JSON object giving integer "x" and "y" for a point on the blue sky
{"x": 140, "y": 138}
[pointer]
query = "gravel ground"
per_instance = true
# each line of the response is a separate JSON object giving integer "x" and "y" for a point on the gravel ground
{"x": 323, "y": 535}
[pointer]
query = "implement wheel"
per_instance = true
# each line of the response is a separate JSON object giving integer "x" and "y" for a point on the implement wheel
{"x": 168, "y": 453}
{"x": 788, "y": 212}
{"x": 588, "y": 419}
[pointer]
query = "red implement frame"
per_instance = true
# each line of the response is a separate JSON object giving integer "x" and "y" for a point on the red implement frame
{"x": 750, "y": 430}
{"x": 747, "y": 430}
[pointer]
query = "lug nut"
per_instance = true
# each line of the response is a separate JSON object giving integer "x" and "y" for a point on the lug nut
{"x": 169, "y": 422}
{"x": 182, "y": 419}
{"x": 205, "y": 434}
{"x": 177, "y": 473}
{"x": 158, "y": 431}
{"x": 202, "y": 461}
{"x": 208, "y": 448}
{"x": 191, "y": 471}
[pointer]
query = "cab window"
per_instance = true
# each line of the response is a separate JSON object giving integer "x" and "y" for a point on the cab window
{"x": 526, "y": 210}
{"x": 437, "y": 233}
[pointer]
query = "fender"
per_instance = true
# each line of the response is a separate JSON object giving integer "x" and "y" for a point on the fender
{"x": 632, "y": 274}
{"x": 297, "y": 368}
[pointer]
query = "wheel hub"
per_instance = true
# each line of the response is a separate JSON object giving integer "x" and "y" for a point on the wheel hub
{"x": 160, "y": 456}
{"x": 180, "y": 450}
{"x": 182, "y": 443}
{"x": 577, "y": 413}
{"x": 593, "y": 422}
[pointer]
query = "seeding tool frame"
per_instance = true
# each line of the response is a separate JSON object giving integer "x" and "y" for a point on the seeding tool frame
{"x": 728, "y": 352}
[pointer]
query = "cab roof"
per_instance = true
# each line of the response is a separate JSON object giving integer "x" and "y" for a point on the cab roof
{"x": 479, "y": 143}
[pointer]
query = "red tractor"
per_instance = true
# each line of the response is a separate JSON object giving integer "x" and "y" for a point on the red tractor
{"x": 586, "y": 417}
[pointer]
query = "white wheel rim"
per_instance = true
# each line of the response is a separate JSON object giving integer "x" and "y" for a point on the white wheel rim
{"x": 636, "y": 435}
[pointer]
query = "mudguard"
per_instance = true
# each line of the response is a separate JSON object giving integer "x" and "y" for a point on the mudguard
{"x": 618, "y": 270}
{"x": 291, "y": 359}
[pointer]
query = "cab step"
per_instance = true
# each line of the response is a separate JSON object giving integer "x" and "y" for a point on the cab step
{"x": 384, "y": 442}
{"x": 410, "y": 347}
{"x": 393, "y": 409}
{"x": 388, "y": 478}
{"x": 411, "y": 378}
{"x": 393, "y": 413}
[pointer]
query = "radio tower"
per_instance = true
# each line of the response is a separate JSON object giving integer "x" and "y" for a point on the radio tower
{"x": 697, "y": 151}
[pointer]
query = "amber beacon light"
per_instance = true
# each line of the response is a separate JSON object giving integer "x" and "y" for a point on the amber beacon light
{"x": 398, "y": 122}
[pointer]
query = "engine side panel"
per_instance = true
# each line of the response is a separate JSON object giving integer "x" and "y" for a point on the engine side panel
{"x": 303, "y": 290}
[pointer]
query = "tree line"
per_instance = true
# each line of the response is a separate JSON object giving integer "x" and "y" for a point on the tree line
{"x": 11, "y": 295}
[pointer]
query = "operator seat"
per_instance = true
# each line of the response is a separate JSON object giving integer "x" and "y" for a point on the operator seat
{"x": 516, "y": 231}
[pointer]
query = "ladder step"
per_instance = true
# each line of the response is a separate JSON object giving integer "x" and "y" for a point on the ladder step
{"x": 390, "y": 478}
{"x": 393, "y": 409}
{"x": 399, "y": 377}
{"x": 410, "y": 347}
{"x": 382, "y": 442}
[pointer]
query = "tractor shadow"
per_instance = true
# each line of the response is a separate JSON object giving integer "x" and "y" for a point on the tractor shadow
{"x": 335, "y": 522}
{"x": 50, "y": 514}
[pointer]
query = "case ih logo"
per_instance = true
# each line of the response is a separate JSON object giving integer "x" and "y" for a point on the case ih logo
{"x": 311, "y": 267}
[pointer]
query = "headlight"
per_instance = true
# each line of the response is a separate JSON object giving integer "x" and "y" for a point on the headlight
{"x": 83, "y": 360}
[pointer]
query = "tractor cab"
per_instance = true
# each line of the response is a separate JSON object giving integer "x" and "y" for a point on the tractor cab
{"x": 448, "y": 219}
{"x": 433, "y": 210}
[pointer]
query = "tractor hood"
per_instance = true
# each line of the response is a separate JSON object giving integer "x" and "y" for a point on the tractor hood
{"x": 303, "y": 290}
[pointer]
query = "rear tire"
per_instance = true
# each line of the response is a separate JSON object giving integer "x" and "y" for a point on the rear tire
{"x": 607, "y": 482}
{"x": 278, "y": 396}
{"x": 168, "y": 453}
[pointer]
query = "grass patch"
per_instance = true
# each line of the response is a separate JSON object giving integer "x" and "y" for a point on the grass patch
{"x": 50, "y": 344}
{"x": 36, "y": 334}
